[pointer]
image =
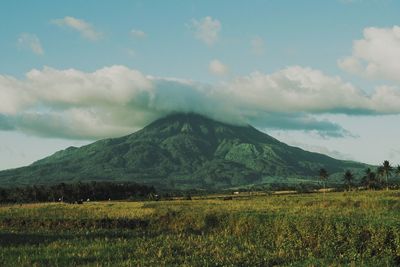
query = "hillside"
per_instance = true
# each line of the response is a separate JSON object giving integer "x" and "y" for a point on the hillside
{"x": 180, "y": 151}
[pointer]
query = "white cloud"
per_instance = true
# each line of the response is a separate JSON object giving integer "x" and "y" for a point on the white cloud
{"x": 257, "y": 46}
{"x": 138, "y": 33}
{"x": 116, "y": 100}
{"x": 14, "y": 95}
{"x": 297, "y": 89}
{"x": 206, "y": 29}
{"x": 31, "y": 42}
{"x": 84, "y": 28}
{"x": 106, "y": 86}
{"x": 351, "y": 65}
{"x": 387, "y": 98}
{"x": 216, "y": 67}
{"x": 376, "y": 56}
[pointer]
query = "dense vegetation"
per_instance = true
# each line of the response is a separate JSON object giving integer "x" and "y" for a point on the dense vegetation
{"x": 338, "y": 229}
{"x": 385, "y": 176}
{"x": 76, "y": 192}
{"x": 182, "y": 151}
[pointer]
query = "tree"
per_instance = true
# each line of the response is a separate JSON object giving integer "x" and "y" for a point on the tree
{"x": 369, "y": 179}
{"x": 398, "y": 170}
{"x": 323, "y": 176}
{"x": 387, "y": 171}
{"x": 379, "y": 174}
{"x": 348, "y": 177}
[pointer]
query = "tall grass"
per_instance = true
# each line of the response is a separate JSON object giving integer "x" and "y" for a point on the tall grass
{"x": 356, "y": 228}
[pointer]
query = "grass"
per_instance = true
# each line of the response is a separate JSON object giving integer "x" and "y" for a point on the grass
{"x": 356, "y": 229}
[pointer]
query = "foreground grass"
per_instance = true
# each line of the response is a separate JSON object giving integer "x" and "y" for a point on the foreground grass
{"x": 358, "y": 228}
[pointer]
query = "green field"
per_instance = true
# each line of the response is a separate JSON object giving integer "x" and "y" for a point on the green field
{"x": 338, "y": 229}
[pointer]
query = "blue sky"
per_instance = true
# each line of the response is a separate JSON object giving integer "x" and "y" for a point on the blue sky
{"x": 249, "y": 58}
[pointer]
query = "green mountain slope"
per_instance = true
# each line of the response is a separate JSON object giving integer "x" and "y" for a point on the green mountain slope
{"x": 183, "y": 151}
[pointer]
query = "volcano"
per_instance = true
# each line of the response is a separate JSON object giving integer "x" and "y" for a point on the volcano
{"x": 180, "y": 151}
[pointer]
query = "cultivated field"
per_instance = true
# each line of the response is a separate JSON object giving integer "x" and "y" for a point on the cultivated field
{"x": 338, "y": 229}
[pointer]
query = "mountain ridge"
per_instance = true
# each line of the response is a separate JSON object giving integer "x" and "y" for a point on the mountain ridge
{"x": 182, "y": 150}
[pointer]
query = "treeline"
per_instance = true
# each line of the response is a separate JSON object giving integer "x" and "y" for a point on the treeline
{"x": 371, "y": 179}
{"x": 75, "y": 192}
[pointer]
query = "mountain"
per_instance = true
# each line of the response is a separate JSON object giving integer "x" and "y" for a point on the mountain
{"x": 180, "y": 151}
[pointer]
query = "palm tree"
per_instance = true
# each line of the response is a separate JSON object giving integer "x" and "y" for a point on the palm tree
{"x": 323, "y": 176}
{"x": 397, "y": 171}
{"x": 380, "y": 174}
{"x": 348, "y": 177}
{"x": 368, "y": 171}
{"x": 369, "y": 178}
{"x": 387, "y": 171}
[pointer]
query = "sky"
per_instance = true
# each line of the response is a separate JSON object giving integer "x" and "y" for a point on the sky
{"x": 320, "y": 75}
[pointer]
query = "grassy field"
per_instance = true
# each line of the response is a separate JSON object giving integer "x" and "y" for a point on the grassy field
{"x": 338, "y": 229}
